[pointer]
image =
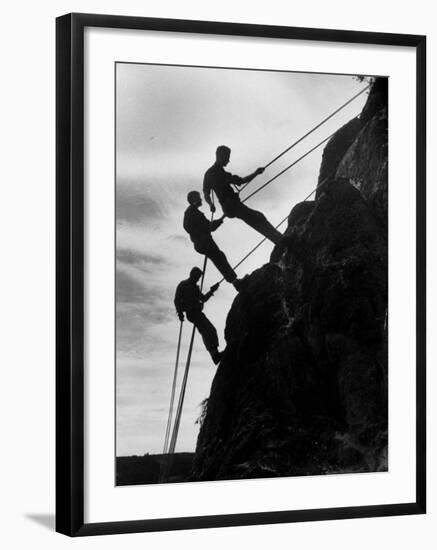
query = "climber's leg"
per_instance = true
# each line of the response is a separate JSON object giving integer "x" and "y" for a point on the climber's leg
{"x": 210, "y": 249}
{"x": 253, "y": 218}
{"x": 208, "y": 332}
{"x": 219, "y": 259}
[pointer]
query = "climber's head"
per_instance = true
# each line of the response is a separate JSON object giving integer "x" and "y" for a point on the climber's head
{"x": 194, "y": 198}
{"x": 222, "y": 155}
{"x": 195, "y": 274}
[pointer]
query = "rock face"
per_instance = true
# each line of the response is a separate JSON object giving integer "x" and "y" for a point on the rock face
{"x": 336, "y": 148}
{"x": 365, "y": 163}
{"x": 302, "y": 386}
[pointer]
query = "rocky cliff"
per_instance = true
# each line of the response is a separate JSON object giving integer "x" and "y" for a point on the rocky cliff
{"x": 302, "y": 386}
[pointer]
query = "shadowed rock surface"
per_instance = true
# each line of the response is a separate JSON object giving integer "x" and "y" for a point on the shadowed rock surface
{"x": 336, "y": 148}
{"x": 302, "y": 386}
{"x": 365, "y": 163}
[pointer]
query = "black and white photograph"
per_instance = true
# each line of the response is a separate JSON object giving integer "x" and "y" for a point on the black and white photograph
{"x": 218, "y": 265}
{"x": 251, "y": 295}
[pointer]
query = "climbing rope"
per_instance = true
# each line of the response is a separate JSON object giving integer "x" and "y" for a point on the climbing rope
{"x": 173, "y": 391}
{"x": 164, "y": 466}
{"x": 252, "y": 250}
{"x": 182, "y": 396}
{"x": 287, "y": 168}
{"x": 312, "y": 130}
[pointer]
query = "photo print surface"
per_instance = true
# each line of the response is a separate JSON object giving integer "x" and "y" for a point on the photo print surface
{"x": 251, "y": 274}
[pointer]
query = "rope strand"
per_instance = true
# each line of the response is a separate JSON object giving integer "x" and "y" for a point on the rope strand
{"x": 173, "y": 390}
{"x": 174, "y": 436}
{"x": 319, "y": 186}
{"x": 288, "y": 167}
{"x": 313, "y": 129}
{"x": 164, "y": 466}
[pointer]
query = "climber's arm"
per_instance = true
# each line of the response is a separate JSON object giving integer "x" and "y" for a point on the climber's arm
{"x": 250, "y": 177}
{"x": 207, "y": 296}
{"x": 215, "y": 224}
{"x": 207, "y": 191}
{"x": 178, "y": 303}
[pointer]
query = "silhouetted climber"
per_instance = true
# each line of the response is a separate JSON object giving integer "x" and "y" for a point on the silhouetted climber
{"x": 199, "y": 228}
{"x": 218, "y": 180}
{"x": 189, "y": 299}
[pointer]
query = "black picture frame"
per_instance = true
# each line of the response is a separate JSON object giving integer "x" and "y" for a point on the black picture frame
{"x": 70, "y": 273}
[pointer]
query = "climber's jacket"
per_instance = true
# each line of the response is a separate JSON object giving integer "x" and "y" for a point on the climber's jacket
{"x": 198, "y": 226}
{"x": 218, "y": 180}
{"x": 189, "y": 298}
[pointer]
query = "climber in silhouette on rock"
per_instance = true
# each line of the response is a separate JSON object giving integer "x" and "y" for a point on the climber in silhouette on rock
{"x": 199, "y": 228}
{"x": 218, "y": 180}
{"x": 189, "y": 300}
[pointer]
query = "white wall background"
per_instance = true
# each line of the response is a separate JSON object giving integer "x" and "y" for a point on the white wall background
{"x": 27, "y": 123}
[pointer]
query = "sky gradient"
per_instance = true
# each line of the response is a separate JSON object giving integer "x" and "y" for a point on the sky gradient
{"x": 169, "y": 121}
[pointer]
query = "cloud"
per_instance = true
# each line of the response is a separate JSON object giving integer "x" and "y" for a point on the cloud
{"x": 178, "y": 237}
{"x": 140, "y": 259}
{"x": 128, "y": 289}
{"x": 139, "y": 202}
{"x": 141, "y": 308}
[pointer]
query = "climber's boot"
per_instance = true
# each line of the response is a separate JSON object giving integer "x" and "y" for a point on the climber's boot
{"x": 239, "y": 283}
{"x": 216, "y": 356}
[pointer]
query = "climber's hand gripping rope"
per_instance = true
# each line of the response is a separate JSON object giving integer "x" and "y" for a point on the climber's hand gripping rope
{"x": 214, "y": 288}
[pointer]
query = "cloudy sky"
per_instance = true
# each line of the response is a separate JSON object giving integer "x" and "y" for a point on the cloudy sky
{"x": 169, "y": 121}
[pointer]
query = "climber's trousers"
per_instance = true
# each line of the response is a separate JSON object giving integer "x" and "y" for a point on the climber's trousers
{"x": 206, "y": 330}
{"x": 209, "y": 248}
{"x": 236, "y": 209}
